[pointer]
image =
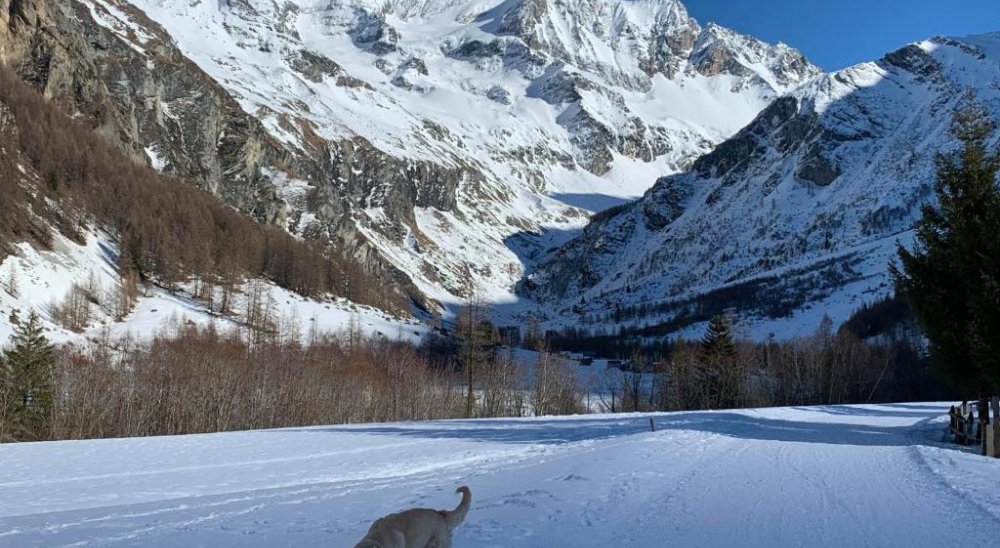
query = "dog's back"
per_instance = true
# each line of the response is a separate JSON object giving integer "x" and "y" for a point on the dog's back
{"x": 417, "y": 528}
{"x": 411, "y": 528}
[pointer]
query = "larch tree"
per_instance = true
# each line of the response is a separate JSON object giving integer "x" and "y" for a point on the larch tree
{"x": 475, "y": 334}
{"x": 13, "y": 287}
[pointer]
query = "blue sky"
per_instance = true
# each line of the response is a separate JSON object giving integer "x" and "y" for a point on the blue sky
{"x": 839, "y": 33}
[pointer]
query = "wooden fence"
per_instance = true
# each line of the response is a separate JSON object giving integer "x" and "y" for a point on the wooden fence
{"x": 972, "y": 425}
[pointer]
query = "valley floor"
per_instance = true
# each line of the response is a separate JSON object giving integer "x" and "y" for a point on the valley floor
{"x": 875, "y": 475}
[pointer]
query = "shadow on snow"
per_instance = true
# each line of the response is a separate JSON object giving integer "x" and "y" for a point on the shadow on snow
{"x": 730, "y": 424}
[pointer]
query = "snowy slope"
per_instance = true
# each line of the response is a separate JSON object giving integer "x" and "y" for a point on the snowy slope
{"x": 796, "y": 215}
{"x": 44, "y": 279}
{"x": 535, "y": 112}
{"x": 874, "y": 475}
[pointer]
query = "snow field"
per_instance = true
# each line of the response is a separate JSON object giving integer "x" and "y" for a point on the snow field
{"x": 877, "y": 475}
{"x": 44, "y": 278}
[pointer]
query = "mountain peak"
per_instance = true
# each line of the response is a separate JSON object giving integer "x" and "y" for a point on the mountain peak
{"x": 638, "y": 39}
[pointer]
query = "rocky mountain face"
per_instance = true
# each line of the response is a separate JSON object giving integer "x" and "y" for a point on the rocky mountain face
{"x": 442, "y": 144}
{"x": 796, "y": 215}
{"x": 142, "y": 98}
{"x": 109, "y": 63}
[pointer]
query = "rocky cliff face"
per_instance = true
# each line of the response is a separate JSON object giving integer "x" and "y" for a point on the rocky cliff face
{"x": 108, "y": 62}
{"x": 136, "y": 88}
{"x": 800, "y": 210}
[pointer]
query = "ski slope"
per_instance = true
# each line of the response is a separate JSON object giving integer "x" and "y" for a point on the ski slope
{"x": 834, "y": 476}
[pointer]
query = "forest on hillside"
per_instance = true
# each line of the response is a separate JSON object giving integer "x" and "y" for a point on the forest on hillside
{"x": 59, "y": 175}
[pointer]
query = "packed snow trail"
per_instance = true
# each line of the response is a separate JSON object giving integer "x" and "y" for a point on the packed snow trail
{"x": 830, "y": 476}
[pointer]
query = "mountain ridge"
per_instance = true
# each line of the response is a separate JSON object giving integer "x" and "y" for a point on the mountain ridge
{"x": 825, "y": 181}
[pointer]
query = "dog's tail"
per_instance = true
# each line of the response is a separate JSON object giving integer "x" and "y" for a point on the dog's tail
{"x": 455, "y": 517}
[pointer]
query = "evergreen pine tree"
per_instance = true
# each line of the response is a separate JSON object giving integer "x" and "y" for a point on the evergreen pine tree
{"x": 951, "y": 278}
{"x": 718, "y": 353}
{"x": 718, "y": 339}
{"x": 26, "y": 381}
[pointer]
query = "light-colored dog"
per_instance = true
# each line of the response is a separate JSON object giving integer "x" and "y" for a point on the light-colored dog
{"x": 418, "y": 528}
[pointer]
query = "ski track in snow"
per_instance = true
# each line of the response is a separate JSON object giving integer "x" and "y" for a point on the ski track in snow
{"x": 829, "y": 476}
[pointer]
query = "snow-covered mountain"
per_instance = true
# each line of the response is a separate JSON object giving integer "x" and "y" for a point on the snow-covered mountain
{"x": 451, "y": 146}
{"x": 438, "y": 131}
{"x": 795, "y": 216}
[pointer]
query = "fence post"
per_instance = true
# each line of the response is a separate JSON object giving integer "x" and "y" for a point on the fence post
{"x": 995, "y": 404}
{"x": 652, "y": 425}
{"x": 986, "y": 437}
{"x": 958, "y": 425}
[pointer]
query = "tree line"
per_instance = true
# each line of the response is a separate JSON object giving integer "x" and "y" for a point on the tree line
{"x": 195, "y": 380}
{"x": 267, "y": 374}
{"x": 724, "y": 371}
{"x": 202, "y": 379}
